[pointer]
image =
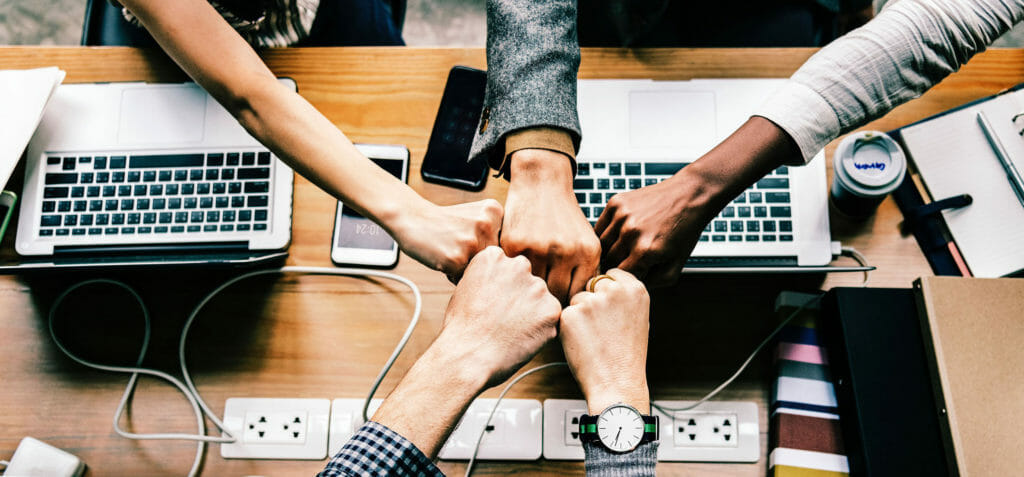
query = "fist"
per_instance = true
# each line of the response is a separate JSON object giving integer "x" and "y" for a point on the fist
{"x": 500, "y": 315}
{"x": 446, "y": 238}
{"x": 604, "y": 336}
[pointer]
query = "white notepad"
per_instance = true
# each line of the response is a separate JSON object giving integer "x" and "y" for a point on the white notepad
{"x": 23, "y": 96}
{"x": 954, "y": 157}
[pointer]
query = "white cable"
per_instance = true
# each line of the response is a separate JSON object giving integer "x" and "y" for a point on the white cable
{"x": 476, "y": 448}
{"x": 854, "y": 254}
{"x": 743, "y": 367}
{"x": 311, "y": 271}
{"x": 199, "y": 406}
{"x": 135, "y": 371}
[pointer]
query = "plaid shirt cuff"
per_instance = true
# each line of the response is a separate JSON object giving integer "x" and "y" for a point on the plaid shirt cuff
{"x": 379, "y": 451}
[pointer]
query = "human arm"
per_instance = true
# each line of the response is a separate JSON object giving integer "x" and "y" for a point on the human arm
{"x": 604, "y": 335}
{"x": 651, "y": 231}
{"x": 897, "y": 56}
{"x": 218, "y": 59}
{"x": 498, "y": 319}
{"x": 532, "y": 59}
{"x": 904, "y": 51}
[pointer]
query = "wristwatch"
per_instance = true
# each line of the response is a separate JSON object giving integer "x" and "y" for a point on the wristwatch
{"x": 620, "y": 428}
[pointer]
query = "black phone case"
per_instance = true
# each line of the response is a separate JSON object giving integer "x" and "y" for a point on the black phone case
{"x": 447, "y": 159}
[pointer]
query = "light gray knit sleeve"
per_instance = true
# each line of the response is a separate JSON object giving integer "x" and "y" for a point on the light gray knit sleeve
{"x": 909, "y": 47}
{"x": 602, "y": 462}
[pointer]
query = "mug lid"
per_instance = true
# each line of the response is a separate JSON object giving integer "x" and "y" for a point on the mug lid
{"x": 870, "y": 163}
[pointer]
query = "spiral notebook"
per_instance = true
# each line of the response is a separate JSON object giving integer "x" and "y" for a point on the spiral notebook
{"x": 953, "y": 156}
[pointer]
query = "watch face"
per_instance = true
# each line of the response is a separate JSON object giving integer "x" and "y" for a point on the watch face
{"x": 620, "y": 428}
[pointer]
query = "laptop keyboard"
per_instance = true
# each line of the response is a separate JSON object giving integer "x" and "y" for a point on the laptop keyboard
{"x": 156, "y": 194}
{"x": 762, "y": 213}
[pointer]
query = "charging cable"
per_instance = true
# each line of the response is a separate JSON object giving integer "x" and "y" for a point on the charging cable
{"x": 846, "y": 251}
{"x": 854, "y": 254}
{"x": 663, "y": 409}
{"x": 487, "y": 422}
{"x": 188, "y": 388}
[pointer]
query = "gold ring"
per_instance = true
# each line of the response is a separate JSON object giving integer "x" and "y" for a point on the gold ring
{"x": 593, "y": 281}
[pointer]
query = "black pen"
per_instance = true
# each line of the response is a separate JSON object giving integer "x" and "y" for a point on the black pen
{"x": 1016, "y": 181}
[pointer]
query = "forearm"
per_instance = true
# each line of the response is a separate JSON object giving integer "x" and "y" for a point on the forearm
{"x": 308, "y": 142}
{"x": 711, "y": 182}
{"x": 541, "y": 168}
{"x": 909, "y": 47}
{"x": 429, "y": 401}
{"x": 220, "y": 61}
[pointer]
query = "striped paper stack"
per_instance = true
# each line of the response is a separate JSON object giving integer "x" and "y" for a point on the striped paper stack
{"x": 804, "y": 435}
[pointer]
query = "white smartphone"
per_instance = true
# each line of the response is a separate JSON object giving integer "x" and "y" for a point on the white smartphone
{"x": 358, "y": 241}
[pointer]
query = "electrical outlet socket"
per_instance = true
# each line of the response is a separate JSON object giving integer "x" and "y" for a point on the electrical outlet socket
{"x": 562, "y": 429}
{"x": 704, "y": 429}
{"x": 514, "y": 433}
{"x": 268, "y": 428}
{"x": 346, "y": 418}
{"x": 707, "y": 445}
{"x": 715, "y": 431}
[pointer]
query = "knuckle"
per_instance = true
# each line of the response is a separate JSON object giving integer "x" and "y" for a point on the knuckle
{"x": 491, "y": 252}
{"x": 520, "y": 263}
{"x": 615, "y": 202}
{"x": 630, "y": 226}
{"x": 493, "y": 208}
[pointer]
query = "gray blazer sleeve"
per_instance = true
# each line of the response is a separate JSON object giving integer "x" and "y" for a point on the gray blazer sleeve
{"x": 533, "y": 56}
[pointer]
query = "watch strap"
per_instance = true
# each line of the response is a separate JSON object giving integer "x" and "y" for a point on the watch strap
{"x": 588, "y": 429}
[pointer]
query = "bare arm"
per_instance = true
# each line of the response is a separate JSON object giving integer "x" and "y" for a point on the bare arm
{"x": 217, "y": 58}
{"x": 213, "y": 54}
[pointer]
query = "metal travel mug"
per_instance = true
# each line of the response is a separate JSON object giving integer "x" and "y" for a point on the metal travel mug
{"x": 868, "y": 165}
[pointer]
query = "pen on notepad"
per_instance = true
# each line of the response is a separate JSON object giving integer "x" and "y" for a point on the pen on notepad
{"x": 1016, "y": 181}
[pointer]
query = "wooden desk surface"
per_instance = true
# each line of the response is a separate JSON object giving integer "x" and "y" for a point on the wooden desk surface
{"x": 326, "y": 337}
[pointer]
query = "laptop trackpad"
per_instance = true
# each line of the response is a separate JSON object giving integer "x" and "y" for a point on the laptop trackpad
{"x": 676, "y": 119}
{"x": 173, "y": 114}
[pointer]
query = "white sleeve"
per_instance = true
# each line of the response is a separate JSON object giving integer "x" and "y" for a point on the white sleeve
{"x": 909, "y": 47}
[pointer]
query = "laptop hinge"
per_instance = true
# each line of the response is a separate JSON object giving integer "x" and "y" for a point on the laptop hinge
{"x": 741, "y": 262}
{"x": 152, "y": 249}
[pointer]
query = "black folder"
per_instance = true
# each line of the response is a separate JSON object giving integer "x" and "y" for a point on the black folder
{"x": 888, "y": 412}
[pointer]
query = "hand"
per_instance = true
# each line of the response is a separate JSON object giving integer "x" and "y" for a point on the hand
{"x": 544, "y": 223}
{"x": 500, "y": 315}
{"x": 604, "y": 335}
{"x": 446, "y": 238}
{"x": 497, "y": 320}
{"x": 651, "y": 231}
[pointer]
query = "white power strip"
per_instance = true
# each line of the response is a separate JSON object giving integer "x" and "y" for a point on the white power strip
{"x": 267, "y": 428}
{"x": 715, "y": 431}
{"x": 346, "y": 417}
{"x": 515, "y": 429}
{"x": 521, "y": 429}
{"x": 513, "y": 433}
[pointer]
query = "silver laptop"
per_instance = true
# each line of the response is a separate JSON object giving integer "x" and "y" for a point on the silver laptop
{"x": 145, "y": 174}
{"x": 640, "y": 132}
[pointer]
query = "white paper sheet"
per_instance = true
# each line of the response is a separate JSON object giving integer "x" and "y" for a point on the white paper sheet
{"x": 23, "y": 98}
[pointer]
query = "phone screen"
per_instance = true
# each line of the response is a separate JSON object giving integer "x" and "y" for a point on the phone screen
{"x": 356, "y": 231}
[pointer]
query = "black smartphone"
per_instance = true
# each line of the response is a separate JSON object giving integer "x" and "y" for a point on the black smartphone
{"x": 447, "y": 158}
